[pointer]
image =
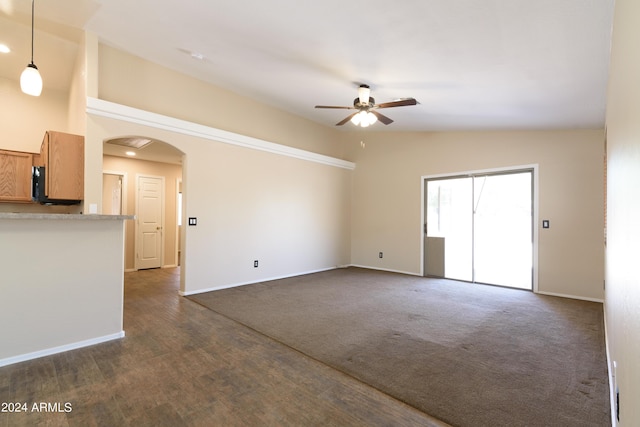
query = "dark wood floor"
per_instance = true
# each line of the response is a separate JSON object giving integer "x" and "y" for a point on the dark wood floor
{"x": 182, "y": 364}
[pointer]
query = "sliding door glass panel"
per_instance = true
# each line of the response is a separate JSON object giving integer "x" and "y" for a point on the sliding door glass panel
{"x": 449, "y": 220}
{"x": 503, "y": 230}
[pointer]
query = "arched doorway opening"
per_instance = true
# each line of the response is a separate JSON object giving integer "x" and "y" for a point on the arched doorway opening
{"x": 143, "y": 177}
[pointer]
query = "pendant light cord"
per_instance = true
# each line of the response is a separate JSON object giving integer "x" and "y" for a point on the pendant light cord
{"x": 32, "y": 25}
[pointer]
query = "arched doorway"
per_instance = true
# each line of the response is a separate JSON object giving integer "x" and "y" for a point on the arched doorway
{"x": 129, "y": 164}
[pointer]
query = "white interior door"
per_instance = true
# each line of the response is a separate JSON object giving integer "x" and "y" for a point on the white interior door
{"x": 150, "y": 202}
{"x": 112, "y": 194}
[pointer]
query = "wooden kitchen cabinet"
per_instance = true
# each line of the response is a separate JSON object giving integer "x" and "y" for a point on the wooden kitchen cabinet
{"x": 15, "y": 176}
{"x": 62, "y": 155}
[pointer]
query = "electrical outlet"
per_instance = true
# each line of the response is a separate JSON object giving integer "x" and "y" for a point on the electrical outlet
{"x": 255, "y": 264}
{"x": 380, "y": 254}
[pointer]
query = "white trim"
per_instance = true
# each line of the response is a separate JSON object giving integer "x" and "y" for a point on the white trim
{"x": 612, "y": 379}
{"x": 536, "y": 224}
{"x": 409, "y": 273}
{"x": 60, "y": 349}
{"x": 102, "y": 108}
{"x": 554, "y": 294}
{"x": 266, "y": 279}
{"x": 423, "y": 216}
{"x": 481, "y": 171}
{"x": 179, "y": 217}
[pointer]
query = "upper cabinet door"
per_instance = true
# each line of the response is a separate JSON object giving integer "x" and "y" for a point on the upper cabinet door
{"x": 15, "y": 176}
{"x": 63, "y": 157}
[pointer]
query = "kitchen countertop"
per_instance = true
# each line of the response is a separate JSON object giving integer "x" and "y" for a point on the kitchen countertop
{"x": 89, "y": 217}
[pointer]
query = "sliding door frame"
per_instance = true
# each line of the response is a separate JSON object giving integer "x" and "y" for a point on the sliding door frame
{"x": 494, "y": 171}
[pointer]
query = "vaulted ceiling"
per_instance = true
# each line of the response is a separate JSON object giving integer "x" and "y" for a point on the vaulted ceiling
{"x": 471, "y": 64}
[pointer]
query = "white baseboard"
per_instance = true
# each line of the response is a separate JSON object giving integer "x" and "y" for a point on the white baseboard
{"x": 410, "y": 273}
{"x": 553, "y": 294}
{"x": 612, "y": 379}
{"x": 233, "y": 285}
{"x": 60, "y": 349}
{"x": 266, "y": 279}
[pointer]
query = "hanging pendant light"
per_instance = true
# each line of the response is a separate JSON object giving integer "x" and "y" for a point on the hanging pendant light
{"x": 30, "y": 80}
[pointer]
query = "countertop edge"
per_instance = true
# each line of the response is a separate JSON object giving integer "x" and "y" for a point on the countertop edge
{"x": 89, "y": 217}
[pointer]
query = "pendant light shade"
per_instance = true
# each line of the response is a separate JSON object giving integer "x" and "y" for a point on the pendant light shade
{"x": 30, "y": 80}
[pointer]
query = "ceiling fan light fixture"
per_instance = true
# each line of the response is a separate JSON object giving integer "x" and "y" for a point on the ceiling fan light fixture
{"x": 363, "y": 94}
{"x": 367, "y": 109}
{"x": 364, "y": 118}
{"x": 30, "y": 79}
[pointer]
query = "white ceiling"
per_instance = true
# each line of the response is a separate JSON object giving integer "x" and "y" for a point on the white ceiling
{"x": 471, "y": 64}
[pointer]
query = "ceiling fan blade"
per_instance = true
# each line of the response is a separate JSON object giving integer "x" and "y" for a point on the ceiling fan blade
{"x": 345, "y": 120}
{"x": 384, "y": 119}
{"x": 334, "y": 106}
{"x": 399, "y": 103}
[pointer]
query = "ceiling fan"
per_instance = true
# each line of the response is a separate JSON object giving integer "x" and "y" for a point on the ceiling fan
{"x": 366, "y": 106}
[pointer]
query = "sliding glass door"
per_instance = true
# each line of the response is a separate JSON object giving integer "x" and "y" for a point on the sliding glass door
{"x": 449, "y": 227}
{"x": 482, "y": 225}
{"x": 503, "y": 230}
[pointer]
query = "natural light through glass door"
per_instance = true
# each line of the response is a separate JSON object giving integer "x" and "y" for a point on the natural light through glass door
{"x": 502, "y": 235}
{"x": 450, "y": 226}
{"x": 479, "y": 228}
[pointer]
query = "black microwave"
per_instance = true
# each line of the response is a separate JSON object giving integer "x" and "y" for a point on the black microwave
{"x": 38, "y": 189}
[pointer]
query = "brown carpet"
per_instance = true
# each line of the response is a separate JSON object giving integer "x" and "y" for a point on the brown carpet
{"x": 469, "y": 355}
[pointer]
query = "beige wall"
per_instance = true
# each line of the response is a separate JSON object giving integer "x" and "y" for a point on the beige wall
{"x": 25, "y": 118}
{"x": 292, "y": 215}
{"x": 387, "y": 197}
{"x": 623, "y": 209}
{"x": 77, "y": 103}
{"x": 62, "y": 285}
{"x": 153, "y": 88}
{"x": 171, "y": 173}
